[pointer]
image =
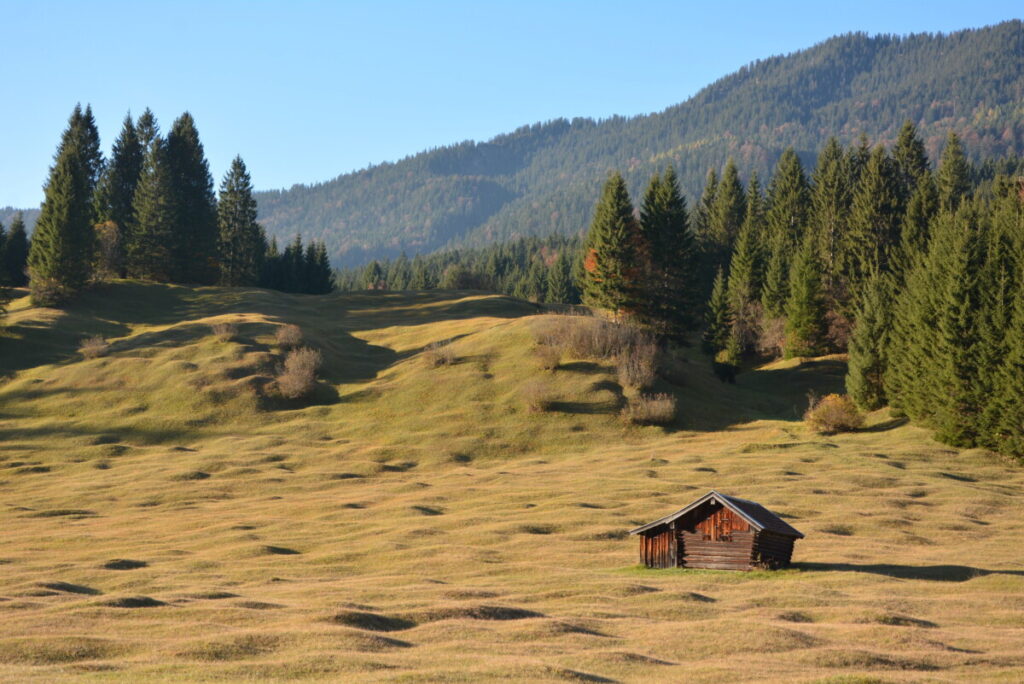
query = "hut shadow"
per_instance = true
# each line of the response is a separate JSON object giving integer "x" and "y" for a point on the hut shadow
{"x": 934, "y": 573}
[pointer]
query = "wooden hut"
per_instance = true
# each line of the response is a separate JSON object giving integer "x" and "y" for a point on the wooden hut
{"x": 718, "y": 532}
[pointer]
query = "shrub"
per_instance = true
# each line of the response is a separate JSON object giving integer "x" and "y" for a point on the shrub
{"x": 225, "y": 332}
{"x": 548, "y": 357}
{"x": 93, "y": 347}
{"x": 536, "y": 396}
{"x": 298, "y": 378}
{"x": 439, "y": 354}
{"x": 834, "y": 413}
{"x": 589, "y": 337}
{"x": 772, "y": 337}
{"x": 650, "y": 409}
{"x": 637, "y": 364}
{"x": 289, "y": 337}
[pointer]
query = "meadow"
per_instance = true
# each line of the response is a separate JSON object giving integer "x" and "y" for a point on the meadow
{"x": 165, "y": 519}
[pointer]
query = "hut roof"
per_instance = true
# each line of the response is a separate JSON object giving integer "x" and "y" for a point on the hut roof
{"x": 754, "y": 513}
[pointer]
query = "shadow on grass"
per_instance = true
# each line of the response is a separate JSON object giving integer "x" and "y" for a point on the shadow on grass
{"x": 887, "y": 425}
{"x": 935, "y": 573}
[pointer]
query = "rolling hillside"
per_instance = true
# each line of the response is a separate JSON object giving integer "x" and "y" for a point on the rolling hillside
{"x": 544, "y": 178}
{"x": 164, "y": 520}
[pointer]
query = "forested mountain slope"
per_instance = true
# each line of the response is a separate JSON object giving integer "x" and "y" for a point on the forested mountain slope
{"x": 544, "y": 178}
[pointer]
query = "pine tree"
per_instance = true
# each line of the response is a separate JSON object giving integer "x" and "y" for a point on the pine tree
{"x": 319, "y": 276}
{"x": 911, "y": 160}
{"x": 726, "y": 213}
{"x": 746, "y": 269}
{"x": 399, "y": 274}
{"x": 805, "y": 307}
{"x": 788, "y": 199}
{"x": 953, "y": 177}
{"x": 1008, "y": 435}
{"x": 611, "y": 250}
{"x": 719, "y": 318}
{"x": 146, "y": 129}
{"x": 830, "y": 208}
{"x": 241, "y": 243}
{"x": 875, "y": 217}
{"x": 115, "y": 193}
{"x": 60, "y": 257}
{"x": 705, "y": 209}
{"x": 194, "y": 244}
{"x": 866, "y": 370}
{"x": 271, "y": 276}
{"x": 668, "y": 302}
{"x": 15, "y": 253}
{"x": 775, "y": 288}
{"x": 373, "y": 277}
{"x": 149, "y": 251}
{"x": 559, "y": 285}
{"x": 921, "y": 209}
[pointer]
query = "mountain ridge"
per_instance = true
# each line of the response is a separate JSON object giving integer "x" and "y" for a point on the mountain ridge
{"x": 543, "y": 178}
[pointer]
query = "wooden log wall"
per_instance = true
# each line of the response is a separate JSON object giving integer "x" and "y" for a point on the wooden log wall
{"x": 773, "y": 550}
{"x": 720, "y": 523}
{"x": 658, "y": 550}
{"x": 697, "y": 552}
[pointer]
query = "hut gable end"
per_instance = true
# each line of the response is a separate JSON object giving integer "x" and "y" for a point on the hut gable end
{"x": 718, "y": 532}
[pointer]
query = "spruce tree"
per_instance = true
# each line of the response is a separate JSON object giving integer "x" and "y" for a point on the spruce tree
{"x": 241, "y": 243}
{"x": 115, "y": 194}
{"x": 146, "y": 129}
{"x": 805, "y": 307}
{"x": 866, "y": 370}
{"x": 15, "y": 256}
{"x": 911, "y": 160}
{"x": 60, "y": 257}
{"x": 726, "y": 217}
{"x": 194, "y": 247}
{"x": 373, "y": 276}
{"x": 271, "y": 276}
{"x": 559, "y": 285}
{"x": 953, "y": 177}
{"x": 319, "y": 276}
{"x": 149, "y": 252}
{"x": 669, "y": 302}
{"x": 746, "y": 268}
{"x": 1008, "y": 433}
{"x": 921, "y": 210}
{"x": 788, "y": 199}
{"x": 875, "y": 217}
{"x": 611, "y": 250}
{"x": 719, "y": 318}
{"x": 705, "y": 209}
{"x": 775, "y": 288}
{"x": 830, "y": 208}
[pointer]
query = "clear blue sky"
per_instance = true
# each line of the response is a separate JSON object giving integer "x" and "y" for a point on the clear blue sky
{"x": 306, "y": 90}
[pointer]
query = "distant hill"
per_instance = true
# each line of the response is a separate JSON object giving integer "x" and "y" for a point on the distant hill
{"x": 544, "y": 178}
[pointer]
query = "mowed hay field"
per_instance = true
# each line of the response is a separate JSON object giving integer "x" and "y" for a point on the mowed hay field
{"x": 163, "y": 519}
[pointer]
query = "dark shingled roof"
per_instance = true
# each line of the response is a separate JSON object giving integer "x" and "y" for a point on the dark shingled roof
{"x": 754, "y": 513}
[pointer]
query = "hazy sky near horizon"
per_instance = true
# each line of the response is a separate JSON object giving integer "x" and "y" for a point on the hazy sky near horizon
{"x": 306, "y": 90}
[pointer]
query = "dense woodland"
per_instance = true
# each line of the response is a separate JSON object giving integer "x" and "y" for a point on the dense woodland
{"x": 540, "y": 179}
{"x": 149, "y": 212}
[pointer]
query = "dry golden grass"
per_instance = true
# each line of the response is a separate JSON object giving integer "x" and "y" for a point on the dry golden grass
{"x": 162, "y": 521}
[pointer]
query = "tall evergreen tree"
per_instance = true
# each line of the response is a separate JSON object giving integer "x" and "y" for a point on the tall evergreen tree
{"x": 241, "y": 243}
{"x": 319, "y": 276}
{"x": 727, "y": 210}
{"x": 921, "y": 210}
{"x": 559, "y": 284}
{"x": 60, "y": 257}
{"x": 865, "y": 377}
{"x": 805, "y": 307}
{"x": 611, "y": 250}
{"x": 149, "y": 250}
{"x": 146, "y": 129}
{"x": 194, "y": 243}
{"x": 911, "y": 160}
{"x": 670, "y": 300}
{"x": 875, "y": 218}
{"x": 115, "y": 194}
{"x": 705, "y": 209}
{"x": 788, "y": 199}
{"x": 775, "y": 288}
{"x": 719, "y": 318}
{"x": 746, "y": 268}
{"x": 953, "y": 176}
{"x": 15, "y": 253}
{"x": 830, "y": 207}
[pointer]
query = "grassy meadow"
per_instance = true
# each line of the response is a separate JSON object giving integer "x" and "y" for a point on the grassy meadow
{"x": 163, "y": 520}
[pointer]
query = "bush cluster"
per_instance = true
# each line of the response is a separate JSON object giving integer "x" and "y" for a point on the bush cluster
{"x": 93, "y": 347}
{"x": 225, "y": 332}
{"x": 439, "y": 354}
{"x": 289, "y": 337}
{"x": 650, "y": 409}
{"x": 298, "y": 377}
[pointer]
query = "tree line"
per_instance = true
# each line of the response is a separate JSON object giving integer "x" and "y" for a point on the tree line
{"x": 149, "y": 212}
{"x": 917, "y": 273}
